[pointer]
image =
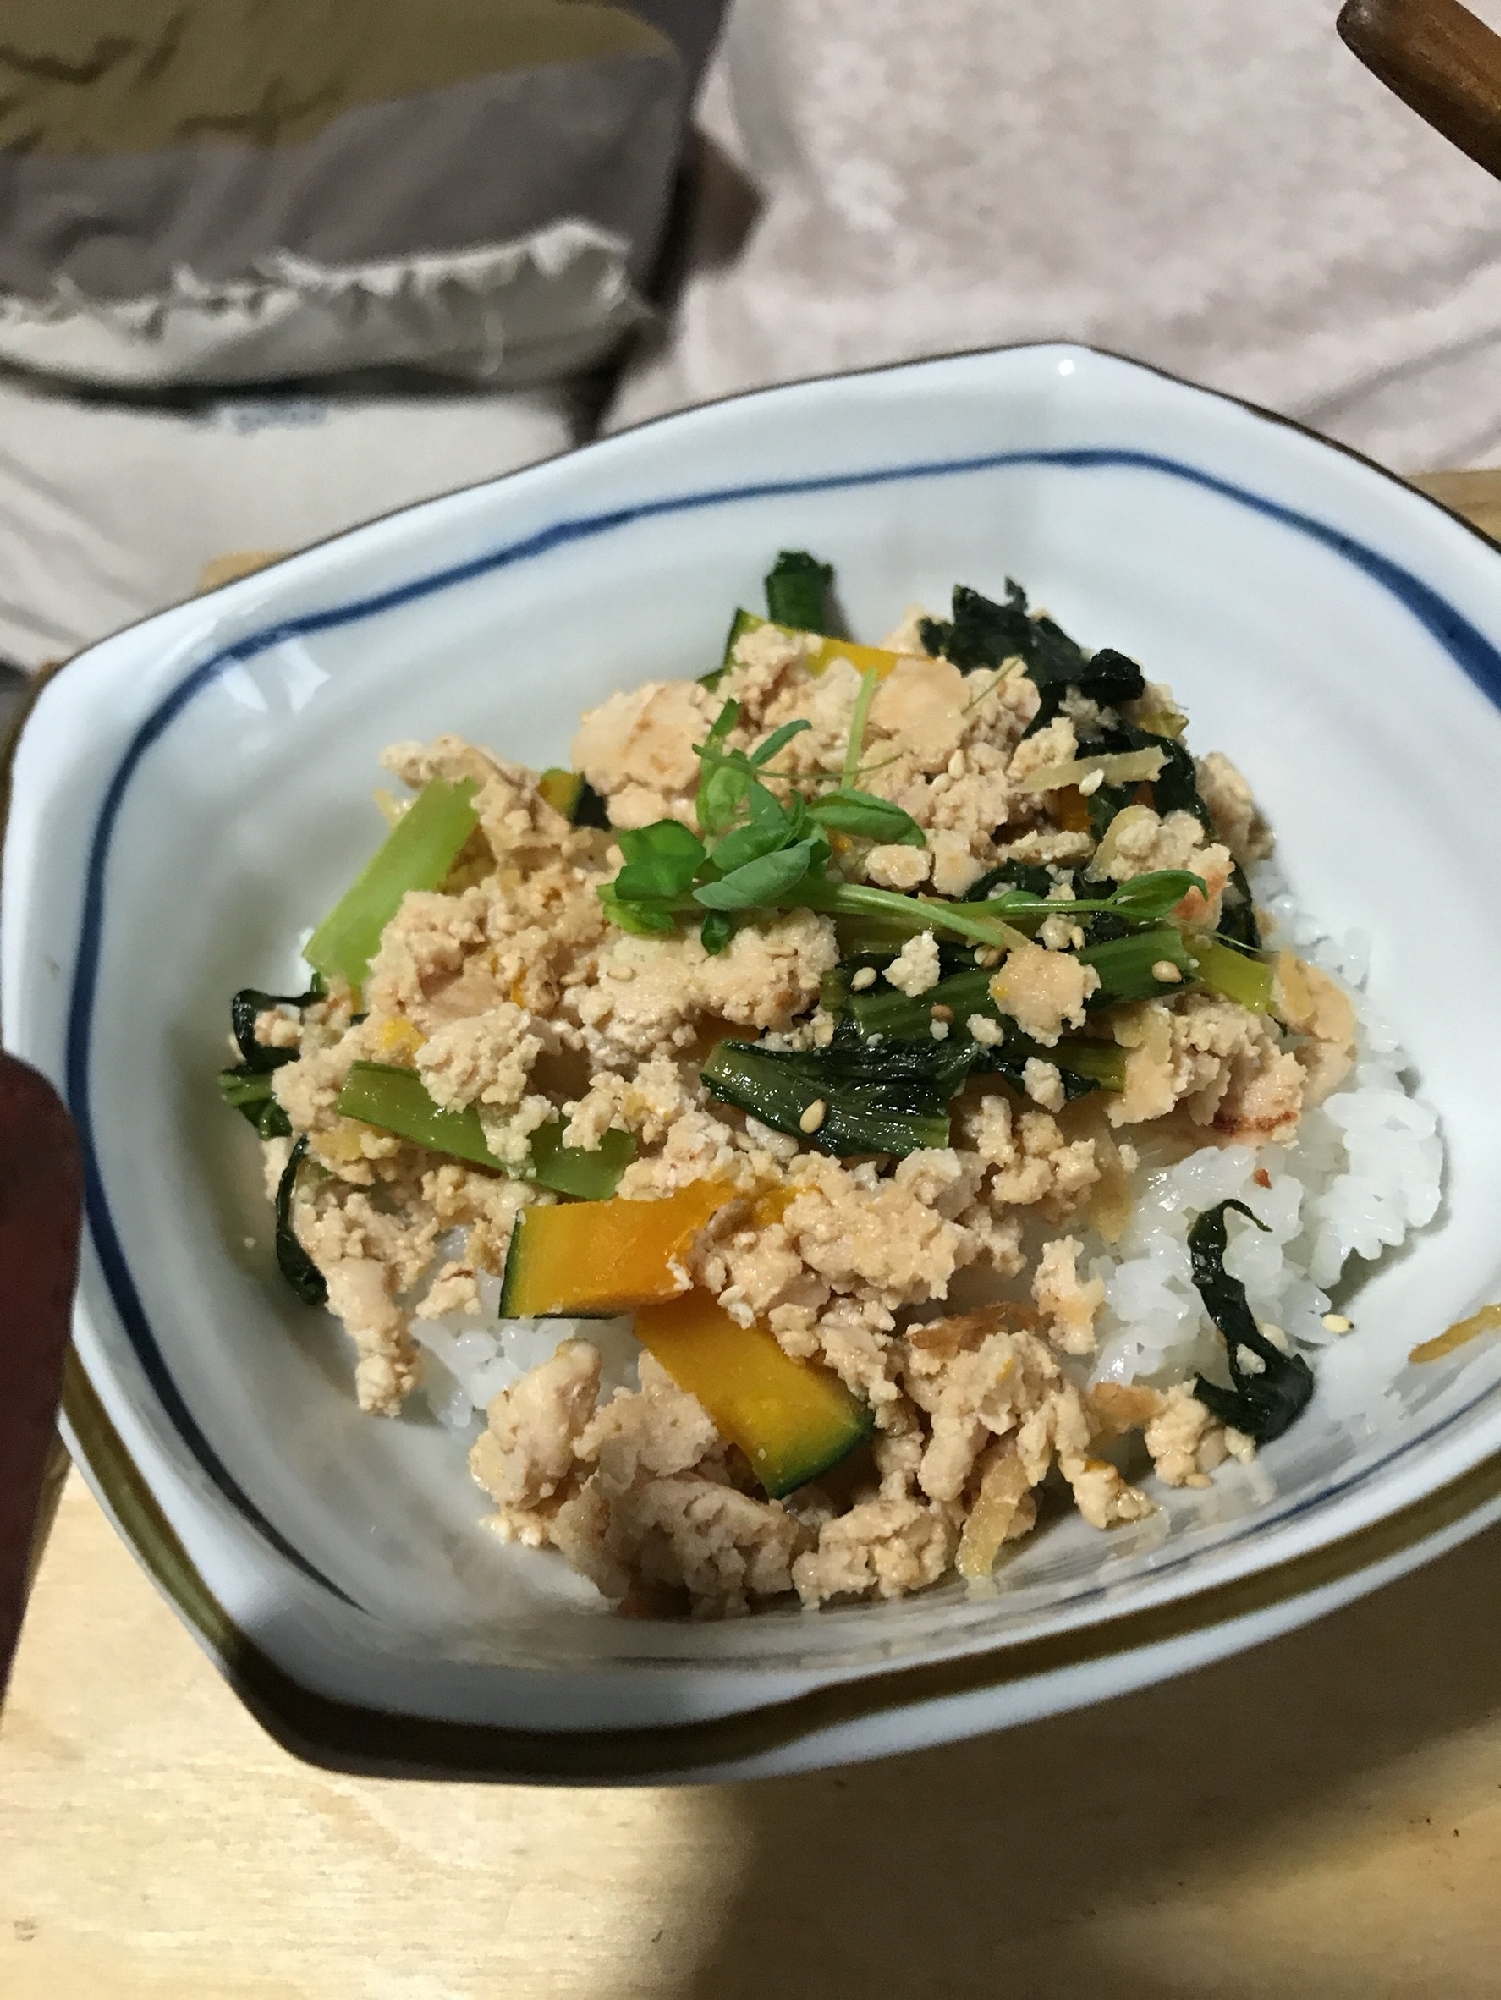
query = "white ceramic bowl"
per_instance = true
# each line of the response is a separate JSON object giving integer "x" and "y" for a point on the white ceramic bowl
{"x": 193, "y": 793}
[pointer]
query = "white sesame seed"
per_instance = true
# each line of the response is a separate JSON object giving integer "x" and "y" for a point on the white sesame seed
{"x": 1090, "y": 785}
{"x": 814, "y": 1116}
{"x": 1167, "y": 972}
{"x": 866, "y": 976}
{"x": 987, "y": 956}
{"x": 1272, "y": 1332}
{"x": 1337, "y": 1323}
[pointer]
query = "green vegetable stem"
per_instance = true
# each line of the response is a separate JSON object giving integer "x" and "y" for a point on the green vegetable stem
{"x": 416, "y": 854}
{"x": 398, "y": 1101}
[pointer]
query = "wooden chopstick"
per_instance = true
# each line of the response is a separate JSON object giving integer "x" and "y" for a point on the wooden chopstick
{"x": 1439, "y": 59}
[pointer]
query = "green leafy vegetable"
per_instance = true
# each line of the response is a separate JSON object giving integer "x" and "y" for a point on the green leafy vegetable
{"x": 661, "y": 861}
{"x": 715, "y": 932}
{"x": 983, "y": 634}
{"x": 416, "y": 854}
{"x": 397, "y": 1100}
{"x": 759, "y": 882}
{"x": 885, "y": 1016}
{"x": 1264, "y": 1400}
{"x": 246, "y": 1087}
{"x": 758, "y": 851}
{"x": 893, "y": 1098}
{"x": 885, "y": 1011}
{"x": 1128, "y": 966}
{"x": 859, "y": 718}
{"x": 245, "y": 1009}
{"x": 294, "y": 1263}
{"x": 1032, "y": 881}
{"x": 797, "y": 591}
{"x": 1223, "y": 969}
{"x": 250, "y": 1093}
{"x": 1238, "y": 912}
{"x": 866, "y": 817}
{"x": 592, "y": 1173}
{"x": 1147, "y": 898}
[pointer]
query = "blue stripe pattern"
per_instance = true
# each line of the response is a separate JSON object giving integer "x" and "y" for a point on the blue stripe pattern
{"x": 1470, "y": 650}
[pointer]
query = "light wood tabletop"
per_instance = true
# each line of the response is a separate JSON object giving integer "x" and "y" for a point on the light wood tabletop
{"x": 1321, "y": 1817}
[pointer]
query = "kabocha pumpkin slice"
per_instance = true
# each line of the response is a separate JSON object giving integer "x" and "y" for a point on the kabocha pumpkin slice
{"x": 571, "y": 794}
{"x": 792, "y": 1419}
{"x": 591, "y": 1259}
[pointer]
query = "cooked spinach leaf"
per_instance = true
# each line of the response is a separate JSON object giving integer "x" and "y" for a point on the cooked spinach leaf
{"x": 1031, "y": 880}
{"x": 1238, "y": 912}
{"x": 885, "y": 1017}
{"x": 244, "y": 1009}
{"x": 892, "y": 1097}
{"x": 246, "y": 1085}
{"x": 982, "y": 634}
{"x": 1265, "y": 1399}
{"x": 294, "y": 1263}
{"x": 797, "y": 589}
{"x": 1128, "y": 966}
{"x": 249, "y": 1092}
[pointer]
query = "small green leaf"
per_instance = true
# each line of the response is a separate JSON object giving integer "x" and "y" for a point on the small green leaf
{"x": 660, "y": 860}
{"x": 867, "y": 818}
{"x": 758, "y": 881}
{"x": 648, "y": 918}
{"x": 769, "y": 827}
{"x": 778, "y": 740}
{"x": 722, "y": 724}
{"x": 1146, "y": 898}
{"x": 721, "y": 794}
{"x": 716, "y": 930}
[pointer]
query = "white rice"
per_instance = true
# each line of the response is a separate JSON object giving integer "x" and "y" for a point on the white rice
{"x": 468, "y": 1358}
{"x": 1366, "y": 1169}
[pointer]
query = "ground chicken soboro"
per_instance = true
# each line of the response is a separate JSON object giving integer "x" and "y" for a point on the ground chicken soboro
{"x": 947, "y": 1288}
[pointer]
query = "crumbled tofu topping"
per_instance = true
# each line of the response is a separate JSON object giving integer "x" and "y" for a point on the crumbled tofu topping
{"x": 517, "y": 1000}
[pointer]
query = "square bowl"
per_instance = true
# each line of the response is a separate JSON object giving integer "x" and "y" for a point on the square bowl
{"x": 189, "y": 797}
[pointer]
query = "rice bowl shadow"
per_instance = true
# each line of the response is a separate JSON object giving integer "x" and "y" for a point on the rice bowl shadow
{"x": 1139, "y": 1847}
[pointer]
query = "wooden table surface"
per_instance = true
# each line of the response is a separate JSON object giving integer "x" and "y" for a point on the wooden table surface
{"x": 1321, "y": 1817}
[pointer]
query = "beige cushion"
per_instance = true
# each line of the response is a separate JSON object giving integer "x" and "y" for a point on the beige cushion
{"x": 111, "y": 509}
{"x": 216, "y": 191}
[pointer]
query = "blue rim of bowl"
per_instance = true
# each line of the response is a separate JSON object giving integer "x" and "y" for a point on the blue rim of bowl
{"x": 1464, "y": 643}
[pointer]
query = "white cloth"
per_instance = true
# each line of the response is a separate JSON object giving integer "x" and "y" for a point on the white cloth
{"x": 110, "y": 510}
{"x": 1212, "y": 186}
